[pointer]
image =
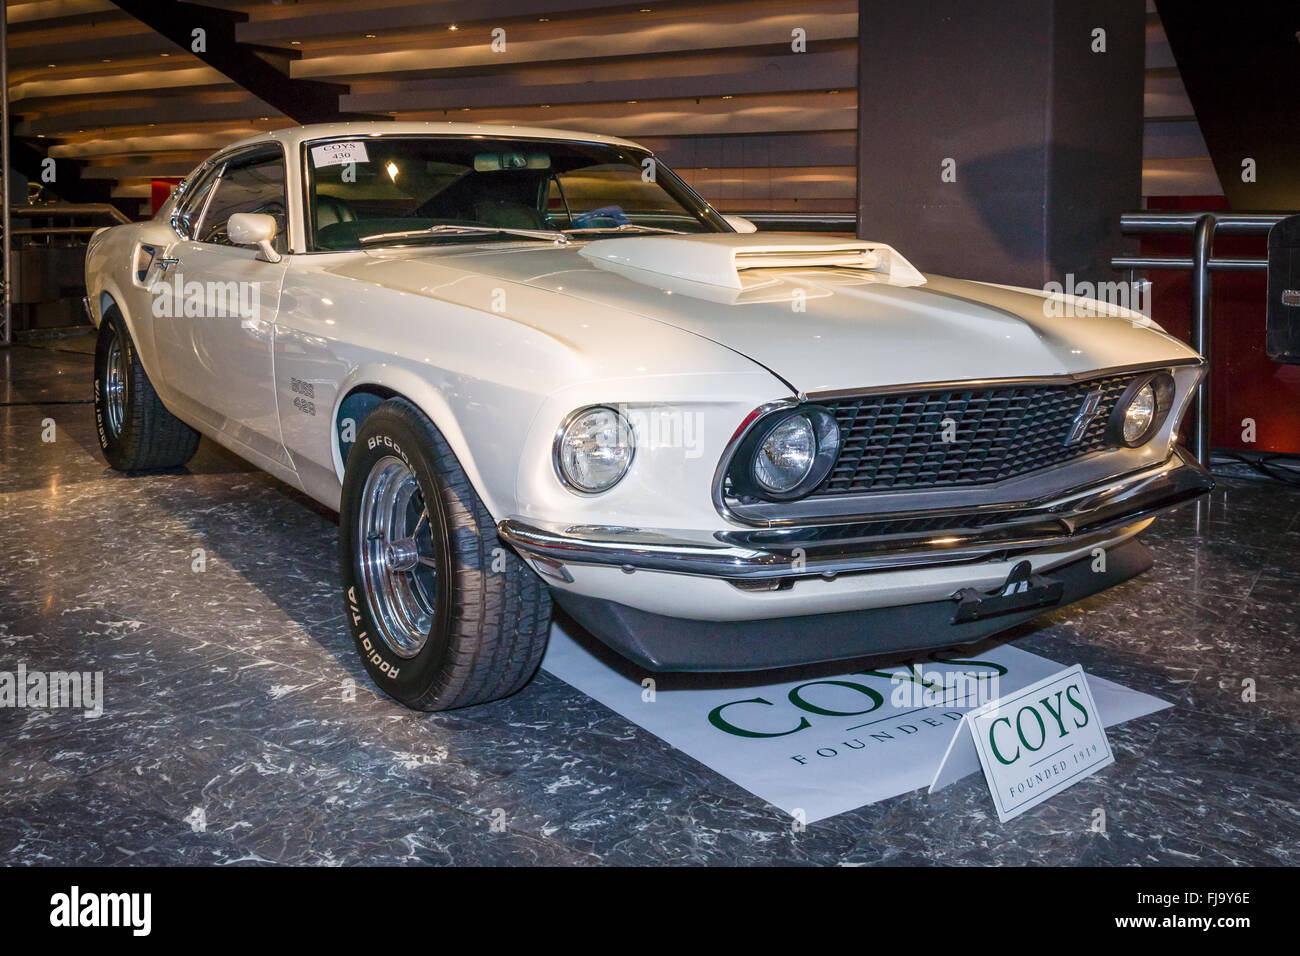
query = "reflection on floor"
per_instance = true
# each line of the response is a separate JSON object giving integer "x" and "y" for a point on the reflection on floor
{"x": 238, "y": 725}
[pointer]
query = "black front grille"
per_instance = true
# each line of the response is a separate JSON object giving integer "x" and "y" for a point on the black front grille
{"x": 896, "y": 441}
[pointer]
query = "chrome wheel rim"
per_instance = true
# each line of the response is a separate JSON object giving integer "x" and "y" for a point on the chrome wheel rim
{"x": 398, "y": 569}
{"x": 115, "y": 385}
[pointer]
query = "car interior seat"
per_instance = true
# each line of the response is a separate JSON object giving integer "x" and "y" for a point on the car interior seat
{"x": 330, "y": 210}
{"x": 508, "y": 214}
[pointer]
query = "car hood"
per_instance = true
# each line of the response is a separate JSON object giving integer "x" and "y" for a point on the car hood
{"x": 821, "y": 314}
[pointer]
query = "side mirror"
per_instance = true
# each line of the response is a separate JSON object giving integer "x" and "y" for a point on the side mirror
{"x": 253, "y": 229}
{"x": 740, "y": 224}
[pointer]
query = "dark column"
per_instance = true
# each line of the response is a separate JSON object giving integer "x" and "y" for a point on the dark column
{"x": 1045, "y": 135}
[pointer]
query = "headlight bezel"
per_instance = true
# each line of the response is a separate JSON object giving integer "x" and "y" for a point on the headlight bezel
{"x": 1163, "y": 388}
{"x": 742, "y": 468}
{"x": 558, "y": 447}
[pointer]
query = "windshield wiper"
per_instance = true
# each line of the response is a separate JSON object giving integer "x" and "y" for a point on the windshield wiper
{"x": 446, "y": 229}
{"x": 625, "y": 227}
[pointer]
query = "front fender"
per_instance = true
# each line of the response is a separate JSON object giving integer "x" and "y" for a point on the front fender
{"x": 488, "y": 464}
{"x": 108, "y": 283}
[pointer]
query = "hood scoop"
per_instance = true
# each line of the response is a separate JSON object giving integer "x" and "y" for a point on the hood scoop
{"x": 735, "y": 261}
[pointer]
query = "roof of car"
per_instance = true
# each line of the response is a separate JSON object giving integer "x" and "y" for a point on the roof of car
{"x": 293, "y": 136}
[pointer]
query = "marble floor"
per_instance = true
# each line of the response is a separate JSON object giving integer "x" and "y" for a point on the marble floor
{"x": 239, "y": 727}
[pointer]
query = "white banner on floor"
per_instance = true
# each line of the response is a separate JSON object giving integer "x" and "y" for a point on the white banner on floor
{"x": 825, "y": 745}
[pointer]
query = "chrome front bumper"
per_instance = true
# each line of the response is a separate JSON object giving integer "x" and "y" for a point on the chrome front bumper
{"x": 896, "y": 541}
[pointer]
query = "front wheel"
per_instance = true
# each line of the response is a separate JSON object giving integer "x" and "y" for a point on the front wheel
{"x": 443, "y": 614}
{"x": 136, "y": 432}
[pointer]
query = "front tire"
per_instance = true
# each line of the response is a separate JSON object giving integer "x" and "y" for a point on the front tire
{"x": 442, "y": 613}
{"x": 136, "y": 432}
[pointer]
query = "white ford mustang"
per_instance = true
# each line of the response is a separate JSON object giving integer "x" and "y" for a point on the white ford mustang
{"x": 525, "y": 364}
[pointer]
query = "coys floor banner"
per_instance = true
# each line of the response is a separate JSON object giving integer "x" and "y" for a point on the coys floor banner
{"x": 827, "y": 744}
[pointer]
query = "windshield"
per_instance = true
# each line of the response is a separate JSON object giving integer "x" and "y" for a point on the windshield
{"x": 397, "y": 190}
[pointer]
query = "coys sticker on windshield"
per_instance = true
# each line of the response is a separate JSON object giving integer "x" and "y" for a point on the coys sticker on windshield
{"x": 338, "y": 154}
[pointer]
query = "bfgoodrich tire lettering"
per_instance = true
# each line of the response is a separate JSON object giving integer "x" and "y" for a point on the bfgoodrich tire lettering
{"x": 488, "y": 614}
{"x": 136, "y": 432}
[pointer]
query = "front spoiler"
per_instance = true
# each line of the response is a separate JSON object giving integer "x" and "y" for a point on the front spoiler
{"x": 894, "y": 541}
{"x": 663, "y": 643}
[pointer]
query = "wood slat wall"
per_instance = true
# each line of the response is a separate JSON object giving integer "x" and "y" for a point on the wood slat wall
{"x": 714, "y": 87}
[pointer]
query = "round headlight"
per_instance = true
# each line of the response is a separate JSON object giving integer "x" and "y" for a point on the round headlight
{"x": 1141, "y": 410}
{"x": 593, "y": 449}
{"x": 1139, "y": 415}
{"x": 786, "y": 456}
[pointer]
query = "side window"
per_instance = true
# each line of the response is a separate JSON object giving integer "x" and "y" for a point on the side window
{"x": 250, "y": 185}
{"x": 191, "y": 205}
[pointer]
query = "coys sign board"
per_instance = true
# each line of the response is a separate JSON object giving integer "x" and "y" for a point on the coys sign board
{"x": 1039, "y": 740}
{"x": 825, "y": 745}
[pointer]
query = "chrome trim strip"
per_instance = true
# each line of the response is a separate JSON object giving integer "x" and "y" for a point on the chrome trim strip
{"x": 828, "y": 550}
{"x": 200, "y": 171}
{"x": 729, "y": 452}
{"x": 1067, "y": 378}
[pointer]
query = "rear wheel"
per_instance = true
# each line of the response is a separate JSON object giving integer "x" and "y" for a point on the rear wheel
{"x": 136, "y": 433}
{"x": 443, "y": 614}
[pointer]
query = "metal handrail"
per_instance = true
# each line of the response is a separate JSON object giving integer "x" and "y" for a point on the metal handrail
{"x": 1186, "y": 262}
{"x": 1151, "y": 222}
{"x": 1203, "y": 226}
{"x": 28, "y": 211}
{"x": 56, "y": 231}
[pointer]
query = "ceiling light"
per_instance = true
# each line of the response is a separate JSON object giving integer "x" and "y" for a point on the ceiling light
{"x": 453, "y": 27}
{"x": 727, "y": 97}
{"x": 295, "y": 43}
{"x": 370, "y": 36}
{"x": 543, "y": 19}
